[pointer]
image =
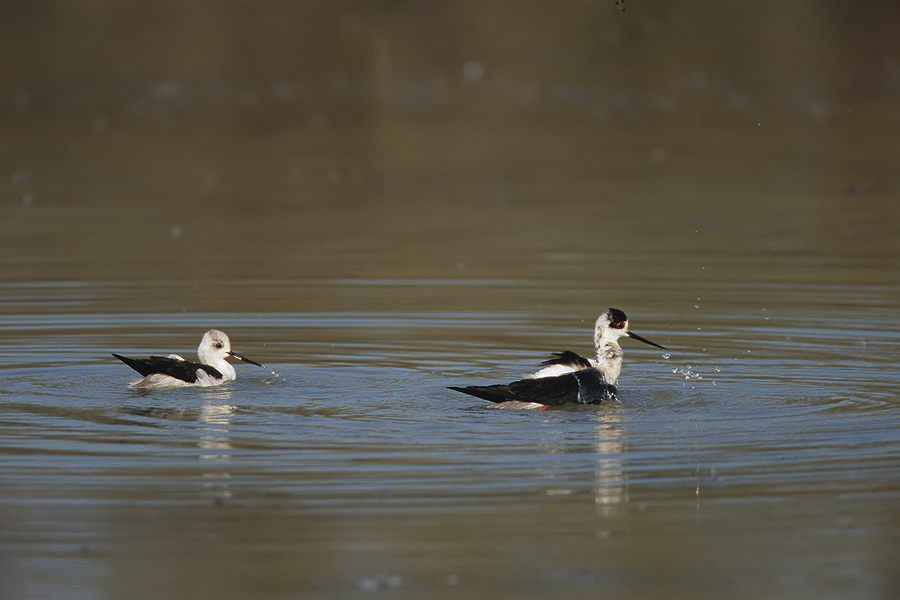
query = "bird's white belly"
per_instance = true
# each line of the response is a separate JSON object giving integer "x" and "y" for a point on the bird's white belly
{"x": 518, "y": 405}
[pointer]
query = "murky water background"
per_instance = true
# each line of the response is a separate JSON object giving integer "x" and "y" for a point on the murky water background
{"x": 378, "y": 200}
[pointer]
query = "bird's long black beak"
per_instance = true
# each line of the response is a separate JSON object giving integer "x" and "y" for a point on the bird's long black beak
{"x": 640, "y": 339}
{"x": 253, "y": 362}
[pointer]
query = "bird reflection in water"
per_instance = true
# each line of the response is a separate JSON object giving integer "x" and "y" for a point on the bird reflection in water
{"x": 215, "y": 445}
{"x": 610, "y": 493}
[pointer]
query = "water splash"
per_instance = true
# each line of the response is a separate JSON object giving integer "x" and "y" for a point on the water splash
{"x": 688, "y": 372}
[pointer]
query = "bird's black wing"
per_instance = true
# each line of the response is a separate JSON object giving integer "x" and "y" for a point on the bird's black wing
{"x": 179, "y": 369}
{"x": 581, "y": 387}
{"x": 569, "y": 359}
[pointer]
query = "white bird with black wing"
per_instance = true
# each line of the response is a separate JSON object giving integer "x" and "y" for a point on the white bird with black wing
{"x": 566, "y": 377}
{"x": 161, "y": 372}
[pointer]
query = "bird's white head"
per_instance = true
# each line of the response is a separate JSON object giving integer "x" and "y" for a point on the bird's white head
{"x": 612, "y": 325}
{"x": 214, "y": 347}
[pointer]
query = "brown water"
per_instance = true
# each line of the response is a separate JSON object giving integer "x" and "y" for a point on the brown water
{"x": 378, "y": 200}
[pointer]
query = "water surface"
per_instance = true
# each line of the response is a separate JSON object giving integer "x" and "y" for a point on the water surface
{"x": 355, "y": 468}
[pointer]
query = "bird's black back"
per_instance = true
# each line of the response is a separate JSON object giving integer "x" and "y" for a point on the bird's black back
{"x": 569, "y": 359}
{"x": 581, "y": 387}
{"x": 179, "y": 369}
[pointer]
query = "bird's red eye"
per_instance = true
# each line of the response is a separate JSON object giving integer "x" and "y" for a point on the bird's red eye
{"x": 218, "y": 344}
{"x": 619, "y": 324}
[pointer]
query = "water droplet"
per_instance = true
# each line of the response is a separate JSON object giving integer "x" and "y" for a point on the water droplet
{"x": 473, "y": 70}
{"x": 659, "y": 156}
